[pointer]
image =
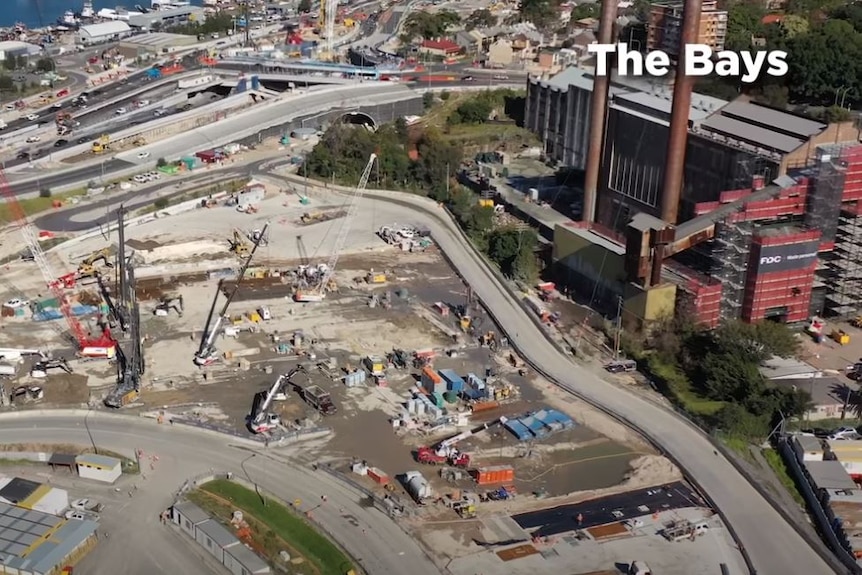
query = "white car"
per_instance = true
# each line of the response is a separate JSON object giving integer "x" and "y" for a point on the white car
{"x": 81, "y": 504}
{"x": 56, "y": 105}
{"x": 143, "y": 155}
{"x": 500, "y": 77}
{"x": 9, "y": 107}
{"x": 120, "y": 111}
{"x": 33, "y": 139}
{"x": 77, "y": 515}
{"x": 32, "y": 117}
{"x": 15, "y": 303}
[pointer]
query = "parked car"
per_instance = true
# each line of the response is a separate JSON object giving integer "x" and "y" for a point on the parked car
{"x": 15, "y": 303}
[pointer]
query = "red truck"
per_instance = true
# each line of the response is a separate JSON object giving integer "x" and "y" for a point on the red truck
{"x": 319, "y": 400}
{"x": 430, "y": 457}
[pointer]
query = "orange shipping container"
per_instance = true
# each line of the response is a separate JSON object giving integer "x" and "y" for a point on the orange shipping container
{"x": 378, "y": 476}
{"x": 485, "y": 406}
{"x": 491, "y": 475}
{"x": 431, "y": 375}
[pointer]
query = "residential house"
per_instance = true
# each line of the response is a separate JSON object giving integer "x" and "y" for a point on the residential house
{"x": 471, "y": 42}
{"x": 500, "y": 54}
{"x": 828, "y": 395}
{"x": 586, "y": 24}
{"x": 443, "y": 48}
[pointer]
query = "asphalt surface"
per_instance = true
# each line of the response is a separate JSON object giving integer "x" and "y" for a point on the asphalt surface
{"x": 139, "y": 544}
{"x": 597, "y": 512}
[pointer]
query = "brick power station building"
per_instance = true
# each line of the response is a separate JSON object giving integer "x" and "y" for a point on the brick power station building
{"x": 770, "y": 210}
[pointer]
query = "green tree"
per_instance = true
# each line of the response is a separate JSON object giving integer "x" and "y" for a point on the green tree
{"x": 428, "y": 25}
{"x": 794, "y": 25}
{"x": 161, "y": 162}
{"x": 482, "y": 18}
{"x": 587, "y": 10}
{"x": 825, "y": 60}
{"x": 304, "y": 6}
{"x": 473, "y": 111}
{"x": 851, "y": 13}
{"x": 6, "y": 83}
{"x": 743, "y": 22}
{"x": 45, "y": 65}
{"x": 428, "y": 100}
{"x": 45, "y": 192}
{"x": 542, "y": 13}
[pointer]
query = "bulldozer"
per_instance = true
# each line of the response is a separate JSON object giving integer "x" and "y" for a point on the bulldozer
{"x": 103, "y": 144}
{"x": 239, "y": 245}
{"x": 311, "y": 217}
{"x": 139, "y": 141}
{"x": 87, "y": 267}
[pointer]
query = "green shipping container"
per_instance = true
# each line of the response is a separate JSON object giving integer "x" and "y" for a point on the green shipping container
{"x": 450, "y": 396}
{"x": 438, "y": 399}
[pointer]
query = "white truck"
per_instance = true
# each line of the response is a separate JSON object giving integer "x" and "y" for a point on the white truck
{"x": 3, "y": 124}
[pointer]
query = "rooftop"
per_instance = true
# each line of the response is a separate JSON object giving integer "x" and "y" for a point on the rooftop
{"x": 787, "y": 368}
{"x": 144, "y": 20}
{"x": 17, "y": 490}
{"x": 52, "y": 553}
{"x": 156, "y": 39}
{"x": 854, "y": 495}
{"x": 215, "y": 531}
{"x": 249, "y": 559}
{"x": 97, "y": 460}
{"x": 105, "y": 28}
{"x": 823, "y": 390}
{"x": 762, "y": 126}
{"x": 808, "y": 443}
{"x": 14, "y": 45}
{"x": 192, "y": 512}
{"x": 829, "y": 475}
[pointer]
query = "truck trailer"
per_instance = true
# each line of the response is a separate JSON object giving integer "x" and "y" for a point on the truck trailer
{"x": 319, "y": 400}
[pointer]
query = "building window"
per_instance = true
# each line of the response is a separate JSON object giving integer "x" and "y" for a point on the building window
{"x": 188, "y": 524}
{"x": 209, "y": 543}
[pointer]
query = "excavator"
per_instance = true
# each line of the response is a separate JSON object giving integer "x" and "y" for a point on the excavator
{"x": 239, "y": 246}
{"x": 87, "y": 267}
{"x": 40, "y": 369}
{"x": 168, "y": 303}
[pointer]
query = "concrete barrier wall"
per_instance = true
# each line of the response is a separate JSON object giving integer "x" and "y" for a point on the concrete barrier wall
{"x": 35, "y": 456}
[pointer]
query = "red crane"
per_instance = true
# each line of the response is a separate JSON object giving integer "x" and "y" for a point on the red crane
{"x": 102, "y": 347}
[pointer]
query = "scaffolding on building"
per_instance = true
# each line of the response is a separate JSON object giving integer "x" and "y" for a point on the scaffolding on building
{"x": 730, "y": 255}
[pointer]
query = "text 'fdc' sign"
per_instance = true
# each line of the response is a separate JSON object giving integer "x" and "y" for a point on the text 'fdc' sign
{"x": 786, "y": 257}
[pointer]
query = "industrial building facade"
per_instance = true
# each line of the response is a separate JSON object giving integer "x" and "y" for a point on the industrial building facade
{"x": 664, "y": 26}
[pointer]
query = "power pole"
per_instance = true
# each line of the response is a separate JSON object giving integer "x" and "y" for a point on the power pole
{"x": 619, "y": 331}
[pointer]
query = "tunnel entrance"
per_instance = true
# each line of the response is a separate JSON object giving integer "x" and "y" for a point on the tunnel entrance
{"x": 359, "y": 119}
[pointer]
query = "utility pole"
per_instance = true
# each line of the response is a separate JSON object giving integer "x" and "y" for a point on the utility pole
{"x": 619, "y": 330}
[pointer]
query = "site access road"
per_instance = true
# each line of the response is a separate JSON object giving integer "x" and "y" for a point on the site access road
{"x": 367, "y": 534}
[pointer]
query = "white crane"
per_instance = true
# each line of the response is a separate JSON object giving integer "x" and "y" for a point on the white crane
{"x": 260, "y": 420}
{"x": 318, "y": 292}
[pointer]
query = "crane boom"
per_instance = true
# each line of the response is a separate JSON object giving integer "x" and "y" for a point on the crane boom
{"x": 206, "y": 351}
{"x": 319, "y": 291}
{"x": 102, "y": 347}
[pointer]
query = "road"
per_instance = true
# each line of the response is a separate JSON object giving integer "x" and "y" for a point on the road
{"x": 378, "y": 543}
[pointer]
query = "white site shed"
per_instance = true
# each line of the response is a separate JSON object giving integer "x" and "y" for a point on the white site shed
{"x": 188, "y": 516}
{"x": 103, "y": 32}
{"x": 251, "y": 195}
{"x": 49, "y": 500}
{"x": 99, "y": 467}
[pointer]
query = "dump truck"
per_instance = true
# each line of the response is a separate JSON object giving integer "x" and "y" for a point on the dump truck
{"x": 418, "y": 487}
{"x": 319, "y": 400}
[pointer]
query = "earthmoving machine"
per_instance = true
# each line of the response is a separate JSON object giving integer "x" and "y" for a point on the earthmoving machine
{"x": 207, "y": 353}
{"x": 238, "y": 245}
{"x": 318, "y": 399}
{"x": 87, "y": 267}
{"x": 40, "y": 369}
{"x": 130, "y": 356}
{"x": 318, "y": 292}
{"x": 103, "y": 144}
{"x": 64, "y": 122}
{"x": 168, "y": 303}
{"x": 256, "y": 235}
{"x": 450, "y": 456}
{"x": 260, "y": 420}
{"x": 103, "y": 346}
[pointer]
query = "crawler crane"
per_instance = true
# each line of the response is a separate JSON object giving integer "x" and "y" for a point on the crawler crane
{"x": 318, "y": 292}
{"x": 207, "y": 353}
{"x": 260, "y": 420}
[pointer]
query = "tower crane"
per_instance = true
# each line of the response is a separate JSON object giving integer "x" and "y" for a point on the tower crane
{"x": 318, "y": 292}
{"x": 103, "y": 346}
{"x": 206, "y": 353}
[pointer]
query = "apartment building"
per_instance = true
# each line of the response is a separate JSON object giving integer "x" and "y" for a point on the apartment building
{"x": 665, "y": 26}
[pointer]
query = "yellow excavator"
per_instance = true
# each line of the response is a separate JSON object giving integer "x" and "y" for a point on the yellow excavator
{"x": 238, "y": 245}
{"x": 87, "y": 267}
{"x": 103, "y": 144}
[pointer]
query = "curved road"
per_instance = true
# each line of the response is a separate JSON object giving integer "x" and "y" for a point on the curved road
{"x": 773, "y": 545}
{"x": 376, "y": 542}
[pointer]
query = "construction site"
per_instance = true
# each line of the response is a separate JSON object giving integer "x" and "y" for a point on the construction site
{"x": 294, "y": 314}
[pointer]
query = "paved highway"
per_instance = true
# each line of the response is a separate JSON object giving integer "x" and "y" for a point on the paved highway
{"x": 378, "y": 543}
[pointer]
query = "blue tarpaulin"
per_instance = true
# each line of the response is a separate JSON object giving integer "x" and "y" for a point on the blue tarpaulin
{"x": 519, "y": 429}
{"x": 77, "y": 310}
{"x": 539, "y": 424}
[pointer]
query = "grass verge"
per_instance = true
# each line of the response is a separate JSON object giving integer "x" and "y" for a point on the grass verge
{"x": 274, "y": 528}
{"x": 33, "y": 206}
{"x": 775, "y": 461}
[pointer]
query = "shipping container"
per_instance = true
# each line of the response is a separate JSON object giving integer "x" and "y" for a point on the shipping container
{"x": 375, "y": 364}
{"x": 378, "y": 476}
{"x": 492, "y": 475}
{"x": 485, "y": 406}
{"x": 430, "y": 379}
{"x": 452, "y": 379}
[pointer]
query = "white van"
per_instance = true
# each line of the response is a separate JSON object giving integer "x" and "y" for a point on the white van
{"x": 265, "y": 314}
{"x": 639, "y": 568}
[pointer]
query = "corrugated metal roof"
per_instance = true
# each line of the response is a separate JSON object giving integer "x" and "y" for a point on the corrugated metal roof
{"x": 248, "y": 558}
{"x": 765, "y": 116}
{"x": 192, "y": 512}
{"x": 752, "y": 134}
{"x": 100, "y": 461}
{"x": 105, "y": 29}
{"x": 215, "y": 531}
{"x": 52, "y": 553}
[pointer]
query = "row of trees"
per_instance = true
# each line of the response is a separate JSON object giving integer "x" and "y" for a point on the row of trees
{"x": 716, "y": 376}
{"x": 343, "y": 152}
